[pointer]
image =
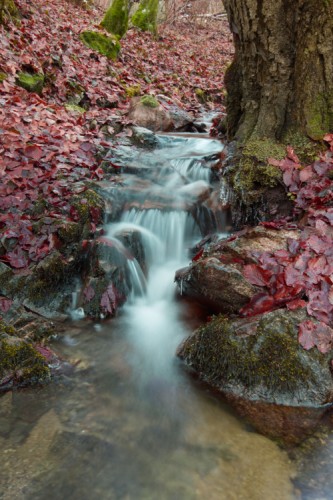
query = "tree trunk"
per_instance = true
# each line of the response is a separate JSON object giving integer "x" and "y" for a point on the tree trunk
{"x": 280, "y": 82}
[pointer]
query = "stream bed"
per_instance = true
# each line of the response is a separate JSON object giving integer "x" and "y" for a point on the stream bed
{"x": 127, "y": 422}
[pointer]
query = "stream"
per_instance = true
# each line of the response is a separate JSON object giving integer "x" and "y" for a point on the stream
{"x": 128, "y": 423}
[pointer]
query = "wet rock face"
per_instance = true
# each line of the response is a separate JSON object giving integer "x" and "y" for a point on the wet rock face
{"x": 150, "y": 114}
{"x": 216, "y": 279}
{"x": 260, "y": 359}
{"x": 220, "y": 286}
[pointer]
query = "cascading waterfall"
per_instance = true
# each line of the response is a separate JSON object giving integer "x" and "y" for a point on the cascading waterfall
{"x": 181, "y": 172}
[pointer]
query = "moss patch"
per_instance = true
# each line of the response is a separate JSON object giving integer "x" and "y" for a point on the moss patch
{"x": 150, "y": 101}
{"x": 3, "y": 77}
{"x": 133, "y": 91}
{"x": 21, "y": 362}
{"x": 253, "y": 173}
{"x": 106, "y": 45}
{"x": 116, "y": 18}
{"x": 272, "y": 357}
{"x": 75, "y": 108}
{"x": 319, "y": 116}
{"x": 145, "y": 18}
{"x": 31, "y": 83}
{"x": 8, "y": 11}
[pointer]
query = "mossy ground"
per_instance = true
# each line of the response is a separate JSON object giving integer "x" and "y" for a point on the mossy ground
{"x": 106, "y": 45}
{"x": 145, "y": 18}
{"x": 31, "y": 83}
{"x": 116, "y": 18}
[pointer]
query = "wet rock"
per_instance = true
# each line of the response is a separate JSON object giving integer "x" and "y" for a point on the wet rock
{"x": 222, "y": 287}
{"x": 260, "y": 360}
{"x": 152, "y": 114}
{"x": 107, "y": 285}
{"x": 216, "y": 277}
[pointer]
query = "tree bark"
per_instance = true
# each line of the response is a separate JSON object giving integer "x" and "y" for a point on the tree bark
{"x": 280, "y": 81}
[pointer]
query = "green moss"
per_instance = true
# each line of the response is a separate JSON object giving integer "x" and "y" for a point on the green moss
{"x": 319, "y": 116}
{"x": 32, "y": 83}
{"x": 86, "y": 201}
{"x": 75, "y": 108}
{"x": 133, "y": 90}
{"x": 201, "y": 95}
{"x": 8, "y": 11}
{"x": 70, "y": 232}
{"x": 3, "y": 76}
{"x": 254, "y": 173}
{"x": 272, "y": 356}
{"x": 150, "y": 101}
{"x": 116, "y": 18}
{"x": 145, "y": 18}
{"x": 106, "y": 45}
{"x": 19, "y": 359}
{"x": 307, "y": 150}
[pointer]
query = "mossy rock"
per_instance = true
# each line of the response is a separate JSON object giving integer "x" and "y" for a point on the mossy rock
{"x": 108, "y": 46}
{"x": 86, "y": 202}
{"x": 145, "y": 18}
{"x": 20, "y": 362}
{"x": 30, "y": 82}
{"x": 260, "y": 359}
{"x": 116, "y": 18}
{"x": 149, "y": 101}
{"x": 75, "y": 108}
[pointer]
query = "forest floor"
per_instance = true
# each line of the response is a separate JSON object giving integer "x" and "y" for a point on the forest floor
{"x": 47, "y": 146}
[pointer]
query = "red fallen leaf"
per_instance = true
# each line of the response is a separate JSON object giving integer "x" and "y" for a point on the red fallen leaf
{"x": 89, "y": 293}
{"x": 5, "y": 304}
{"x": 306, "y": 334}
{"x": 17, "y": 258}
{"x": 34, "y": 152}
{"x": 96, "y": 214}
{"x": 256, "y": 275}
{"x": 296, "y": 304}
{"x": 306, "y": 173}
{"x": 259, "y": 304}
{"x": 198, "y": 255}
{"x": 292, "y": 155}
{"x": 323, "y": 337}
{"x": 45, "y": 352}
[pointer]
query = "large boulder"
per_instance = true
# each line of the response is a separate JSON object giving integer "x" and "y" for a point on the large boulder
{"x": 259, "y": 361}
{"x": 216, "y": 278}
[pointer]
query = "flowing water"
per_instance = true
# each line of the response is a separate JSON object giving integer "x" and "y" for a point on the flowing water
{"x": 128, "y": 423}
